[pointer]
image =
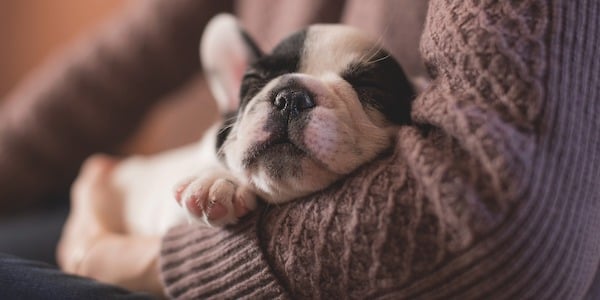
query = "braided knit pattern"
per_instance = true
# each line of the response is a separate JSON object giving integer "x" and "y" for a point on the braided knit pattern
{"x": 491, "y": 194}
{"x": 452, "y": 178}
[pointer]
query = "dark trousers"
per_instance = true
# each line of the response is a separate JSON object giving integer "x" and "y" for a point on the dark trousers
{"x": 27, "y": 261}
{"x": 33, "y": 235}
{"x": 25, "y": 279}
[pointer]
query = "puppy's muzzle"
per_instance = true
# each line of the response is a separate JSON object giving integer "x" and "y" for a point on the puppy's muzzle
{"x": 293, "y": 101}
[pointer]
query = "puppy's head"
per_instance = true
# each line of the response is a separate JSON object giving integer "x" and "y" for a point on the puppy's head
{"x": 326, "y": 100}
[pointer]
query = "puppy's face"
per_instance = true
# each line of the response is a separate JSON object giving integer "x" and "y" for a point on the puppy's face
{"x": 325, "y": 101}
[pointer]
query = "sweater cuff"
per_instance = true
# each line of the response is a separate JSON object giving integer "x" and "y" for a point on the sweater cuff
{"x": 200, "y": 263}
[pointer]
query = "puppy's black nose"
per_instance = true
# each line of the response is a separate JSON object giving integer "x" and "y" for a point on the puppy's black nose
{"x": 293, "y": 101}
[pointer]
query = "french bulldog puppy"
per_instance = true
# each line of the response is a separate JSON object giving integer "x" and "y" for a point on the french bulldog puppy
{"x": 325, "y": 101}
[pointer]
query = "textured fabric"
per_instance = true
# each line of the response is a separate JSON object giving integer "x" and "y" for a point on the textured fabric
{"x": 492, "y": 194}
{"x": 221, "y": 264}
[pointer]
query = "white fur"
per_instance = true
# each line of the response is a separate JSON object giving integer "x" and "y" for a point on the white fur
{"x": 146, "y": 185}
{"x": 331, "y": 48}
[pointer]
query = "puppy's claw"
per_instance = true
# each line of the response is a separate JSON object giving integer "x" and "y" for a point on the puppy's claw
{"x": 180, "y": 188}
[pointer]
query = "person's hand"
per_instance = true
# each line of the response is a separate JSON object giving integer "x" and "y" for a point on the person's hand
{"x": 93, "y": 243}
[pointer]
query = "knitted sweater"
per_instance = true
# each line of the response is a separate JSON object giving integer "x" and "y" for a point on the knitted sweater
{"x": 491, "y": 194}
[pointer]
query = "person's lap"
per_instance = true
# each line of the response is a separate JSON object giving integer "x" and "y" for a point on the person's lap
{"x": 28, "y": 265}
{"x": 33, "y": 235}
{"x": 25, "y": 279}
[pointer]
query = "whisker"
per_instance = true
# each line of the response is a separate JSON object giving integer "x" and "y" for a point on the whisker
{"x": 379, "y": 59}
{"x": 377, "y": 46}
{"x": 228, "y": 120}
{"x": 224, "y": 128}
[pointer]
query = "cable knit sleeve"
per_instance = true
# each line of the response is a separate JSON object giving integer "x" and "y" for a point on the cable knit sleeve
{"x": 92, "y": 97}
{"x": 492, "y": 194}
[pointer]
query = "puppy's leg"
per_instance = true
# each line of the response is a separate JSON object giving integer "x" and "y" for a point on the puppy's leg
{"x": 215, "y": 198}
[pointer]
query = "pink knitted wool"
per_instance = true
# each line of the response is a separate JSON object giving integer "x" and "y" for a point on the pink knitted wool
{"x": 491, "y": 195}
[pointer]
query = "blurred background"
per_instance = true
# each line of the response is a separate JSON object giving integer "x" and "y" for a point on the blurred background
{"x": 32, "y": 31}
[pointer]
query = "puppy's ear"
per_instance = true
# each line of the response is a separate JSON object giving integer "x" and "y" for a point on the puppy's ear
{"x": 226, "y": 51}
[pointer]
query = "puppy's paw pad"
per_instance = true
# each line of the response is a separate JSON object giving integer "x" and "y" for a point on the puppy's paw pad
{"x": 214, "y": 201}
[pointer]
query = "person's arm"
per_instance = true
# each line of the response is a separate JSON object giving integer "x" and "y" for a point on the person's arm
{"x": 91, "y": 98}
{"x": 487, "y": 196}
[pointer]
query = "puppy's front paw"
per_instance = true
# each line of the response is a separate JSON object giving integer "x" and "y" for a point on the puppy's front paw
{"x": 214, "y": 200}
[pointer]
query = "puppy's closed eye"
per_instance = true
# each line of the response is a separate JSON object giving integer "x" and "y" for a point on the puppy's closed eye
{"x": 253, "y": 75}
{"x": 252, "y": 82}
{"x": 366, "y": 82}
{"x": 365, "y": 79}
{"x": 382, "y": 85}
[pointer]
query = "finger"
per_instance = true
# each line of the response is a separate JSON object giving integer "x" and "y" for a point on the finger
{"x": 94, "y": 196}
{"x": 94, "y": 174}
{"x": 98, "y": 166}
{"x": 78, "y": 235}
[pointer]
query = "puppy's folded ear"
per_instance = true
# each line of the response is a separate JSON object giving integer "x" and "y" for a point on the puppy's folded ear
{"x": 226, "y": 51}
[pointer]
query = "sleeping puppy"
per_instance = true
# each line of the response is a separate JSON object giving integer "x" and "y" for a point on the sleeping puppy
{"x": 325, "y": 101}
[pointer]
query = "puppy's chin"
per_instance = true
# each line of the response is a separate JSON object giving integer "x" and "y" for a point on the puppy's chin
{"x": 285, "y": 172}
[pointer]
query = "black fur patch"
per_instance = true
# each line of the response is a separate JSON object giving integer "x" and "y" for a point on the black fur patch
{"x": 256, "y": 52}
{"x": 382, "y": 85}
{"x": 284, "y": 59}
{"x": 223, "y": 132}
